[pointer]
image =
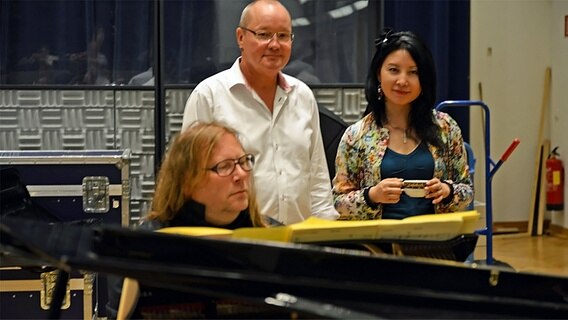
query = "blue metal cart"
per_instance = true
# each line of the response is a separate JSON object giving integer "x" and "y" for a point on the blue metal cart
{"x": 490, "y": 169}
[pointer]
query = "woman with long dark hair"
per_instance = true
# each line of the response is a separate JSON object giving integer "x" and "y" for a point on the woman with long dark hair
{"x": 401, "y": 137}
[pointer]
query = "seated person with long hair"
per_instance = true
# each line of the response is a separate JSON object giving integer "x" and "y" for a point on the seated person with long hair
{"x": 205, "y": 180}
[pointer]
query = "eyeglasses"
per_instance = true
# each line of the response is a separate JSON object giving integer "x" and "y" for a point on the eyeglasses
{"x": 266, "y": 36}
{"x": 227, "y": 167}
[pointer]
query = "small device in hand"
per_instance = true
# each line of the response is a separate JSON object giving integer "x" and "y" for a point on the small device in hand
{"x": 414, "y": 188}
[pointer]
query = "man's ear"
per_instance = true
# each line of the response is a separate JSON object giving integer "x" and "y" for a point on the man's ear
{"x": 240, "y": 37}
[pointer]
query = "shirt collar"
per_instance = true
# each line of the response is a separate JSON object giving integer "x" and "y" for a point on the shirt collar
{"x": 237, "y": 77}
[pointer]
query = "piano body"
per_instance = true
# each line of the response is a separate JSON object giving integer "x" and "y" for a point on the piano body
{"x": 284, "y": 278}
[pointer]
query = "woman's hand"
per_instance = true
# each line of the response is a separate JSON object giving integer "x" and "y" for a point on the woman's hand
{"x": 386, "y": 191}
{"x": 437, "y": 190}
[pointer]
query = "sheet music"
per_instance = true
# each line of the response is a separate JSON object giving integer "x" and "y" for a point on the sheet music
{"x": 435, "y": 227}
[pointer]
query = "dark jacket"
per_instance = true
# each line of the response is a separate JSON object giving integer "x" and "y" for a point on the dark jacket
{"x": 192, "y": 214}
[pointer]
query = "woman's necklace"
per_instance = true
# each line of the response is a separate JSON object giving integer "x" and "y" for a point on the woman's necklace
{"x": 404, "y": 132}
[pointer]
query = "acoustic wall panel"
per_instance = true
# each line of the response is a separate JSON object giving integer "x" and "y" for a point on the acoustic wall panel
{"x": 175, "y": 105}
{"x": 354, "y": 104}
{"x": 118, "y": 119}
{"x": 84, "y": 120}
{"x": 135, "y": 117}
{"x": 347, "y": 103}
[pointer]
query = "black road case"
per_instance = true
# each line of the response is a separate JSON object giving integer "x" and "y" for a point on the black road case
{"x": 86, "y": 187}
{"x": 76, "y": 185}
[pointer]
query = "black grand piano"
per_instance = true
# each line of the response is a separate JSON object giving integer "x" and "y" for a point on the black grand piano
{"x": 284, "y": 280}
{"x": 234, "y": 278}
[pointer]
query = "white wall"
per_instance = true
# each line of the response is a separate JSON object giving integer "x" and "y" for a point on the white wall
{"x": 512, "y": 44}
{"x": 559, "y": 99}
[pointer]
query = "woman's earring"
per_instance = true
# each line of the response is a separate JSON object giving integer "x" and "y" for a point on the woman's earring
{"x": 380, "y": 92}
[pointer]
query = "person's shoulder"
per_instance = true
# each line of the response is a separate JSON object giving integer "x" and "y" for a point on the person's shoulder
{"x": 363, "y": 124}
{"x": 446, "y": 122}
{"x": 214, "y": 83}
{"x": 220, "y": 76}
{"x": 443, "y": 118}
{"x": 226, "y": 74}
{"x": 360, "y": 128}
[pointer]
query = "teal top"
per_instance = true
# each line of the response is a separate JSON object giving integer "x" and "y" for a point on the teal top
{"x": 359, "y": 160}
{"x": 417, "y": 165}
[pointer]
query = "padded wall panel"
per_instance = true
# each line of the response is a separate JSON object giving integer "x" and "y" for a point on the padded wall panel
{"x": 118, "y": 119}
{"x": 135, "y": 118}
{"x": 175, "y": 104}
{"x": 85, "y": 120}
{"x": 347, "y": 103}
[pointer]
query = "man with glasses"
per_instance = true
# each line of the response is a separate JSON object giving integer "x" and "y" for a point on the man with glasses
{"x": 277, "y": 114}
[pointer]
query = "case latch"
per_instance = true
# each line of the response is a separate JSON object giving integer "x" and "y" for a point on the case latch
{"x": 48, "y": 282}
{"x": 96, "y": 195}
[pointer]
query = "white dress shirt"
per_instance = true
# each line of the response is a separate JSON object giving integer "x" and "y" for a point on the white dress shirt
{"x": 290, "y": 174}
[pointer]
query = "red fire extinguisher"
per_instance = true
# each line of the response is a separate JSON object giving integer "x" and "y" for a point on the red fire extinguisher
{"x": 554, "y": 182}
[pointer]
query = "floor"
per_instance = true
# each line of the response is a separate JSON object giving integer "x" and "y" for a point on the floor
{"x": 541, "y": 254}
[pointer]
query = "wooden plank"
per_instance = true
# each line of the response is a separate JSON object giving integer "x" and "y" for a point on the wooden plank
{"x": 534, "y": 208}
{"x": 542, "y": 191}
{"x": 535, "y": 199}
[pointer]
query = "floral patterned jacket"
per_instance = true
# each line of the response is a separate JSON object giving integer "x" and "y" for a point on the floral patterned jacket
{"x": 358, "y": 163}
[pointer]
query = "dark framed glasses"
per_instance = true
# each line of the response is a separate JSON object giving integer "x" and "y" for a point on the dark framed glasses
{"x": 265, "y": 36}
{"x": 227, "y": 167}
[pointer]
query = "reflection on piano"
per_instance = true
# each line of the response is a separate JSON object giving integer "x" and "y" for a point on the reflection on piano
{"x": 308, "y": 280}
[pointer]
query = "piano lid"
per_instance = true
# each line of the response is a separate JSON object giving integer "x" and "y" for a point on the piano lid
{"x": 349, "y": 279}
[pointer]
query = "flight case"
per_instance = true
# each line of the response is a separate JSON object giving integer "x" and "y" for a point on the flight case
{"x": 86, "y": 187}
